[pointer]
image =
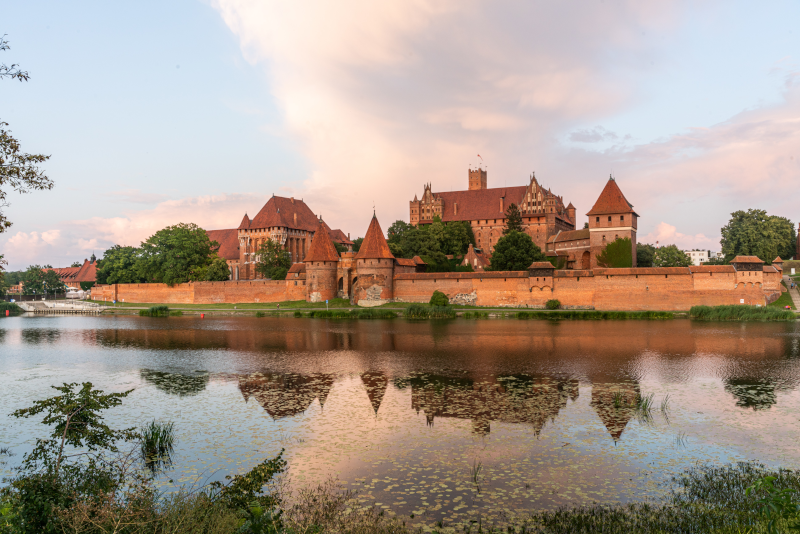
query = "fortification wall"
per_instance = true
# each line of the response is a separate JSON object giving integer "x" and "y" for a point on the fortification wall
{"x": 230, "y": 292}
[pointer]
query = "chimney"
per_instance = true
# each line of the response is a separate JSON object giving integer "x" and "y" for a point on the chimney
{"x": 295, "y": 218}
{"x": 292, "y": 199}
{"x": 455, "y": 208}
{"x": 348, "y": 236}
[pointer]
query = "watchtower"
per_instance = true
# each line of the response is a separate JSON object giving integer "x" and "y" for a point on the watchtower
{"x": 477, "y": 179}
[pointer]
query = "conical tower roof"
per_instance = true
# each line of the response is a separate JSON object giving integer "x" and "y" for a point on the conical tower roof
{"x": 611, "y": 200}
{"x": 374, "y": 245}
{"x": 245, "y": 223}
{"x": 322, "y": 248}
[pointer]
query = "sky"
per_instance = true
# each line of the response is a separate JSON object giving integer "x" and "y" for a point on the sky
{"x": 156, "y": 113}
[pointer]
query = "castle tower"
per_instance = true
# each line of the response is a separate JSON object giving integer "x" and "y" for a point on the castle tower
{"x": 374, "y": 268}
{"x": 477, "y": 179}
{"x": 612, "y": 216}
{"x": 321, "y": 262}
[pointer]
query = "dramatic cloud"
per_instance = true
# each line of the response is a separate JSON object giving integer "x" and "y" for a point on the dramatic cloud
{"x": 666, "y": 234}
{"x": 31, "y": 246}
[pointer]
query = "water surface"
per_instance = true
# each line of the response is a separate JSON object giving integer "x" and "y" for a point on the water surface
{"x": 406, "y": 412}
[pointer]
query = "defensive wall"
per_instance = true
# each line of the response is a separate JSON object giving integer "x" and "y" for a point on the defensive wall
{"x": 668, "y": 288}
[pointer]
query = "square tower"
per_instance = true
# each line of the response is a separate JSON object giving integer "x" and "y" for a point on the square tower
{"x": 612, "y": 216}
{"x": 477, "y": 179}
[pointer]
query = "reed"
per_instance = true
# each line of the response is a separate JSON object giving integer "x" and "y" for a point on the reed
{"x": 156, "y": 311}
{"x": 157, "y": 441}
{"x": 475, "y": 473}
{"x": 11, "y": 307}
{"x": 475, "y": 315}
{"x": 418, "y": 311}
{"x": 665, "y": 404}
{"x": 681, "y": 440}
{"x": 619, "y": 400}
{"x": 262, "y": 314}
{"x": 739, "y": 312}
{"x": 594, "y": 315}
{"x": 350, "y": 314}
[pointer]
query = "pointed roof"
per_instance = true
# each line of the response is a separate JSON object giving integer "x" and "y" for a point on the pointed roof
{"x": 245, "y": 223}
{"x": 285, "y": 212}
{"x": 322, "y": 248}
{"x": 375, "y": 383}
{"x": 374, "y": 245}
{"x": 611, "y": 200}
{"x": 777, "y": 260}
{"x": 570, "y": 206}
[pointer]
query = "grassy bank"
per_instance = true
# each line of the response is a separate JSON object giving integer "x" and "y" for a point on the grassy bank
{"x": 741, "y": 313}
{"x": 160, "y": 311}
{"x": 368, "y": 313}
{"x": 593, "y": 314}
{"x": 784, "y": 300}
{"x": 11, "y": 307}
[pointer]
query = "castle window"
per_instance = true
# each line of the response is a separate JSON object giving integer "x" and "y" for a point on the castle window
{"x": 597, "y": 219}
{"x": 621, "y": 218}
{"x": 609, "y": 218}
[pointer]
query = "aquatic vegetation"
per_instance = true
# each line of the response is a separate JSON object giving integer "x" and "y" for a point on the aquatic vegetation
{"x": 12, "y": 308}
{"x": 298, "y": 314}
{"x": 161, "y": 310}
{"x": 176, "y": 313}
{"x": 739, "y": 312}
{"x": 351, "y": 314}
{"x": 157, "y": 441}
{"x": 418, "y": 311}
{"x": 262, "y": 314}
{"x": 475, "y": 473}
{"x": 593, "y": 314}
{"x": 681, "y": 440}
{"x": 665, "y": 405}
{"x": 475, "y": 315}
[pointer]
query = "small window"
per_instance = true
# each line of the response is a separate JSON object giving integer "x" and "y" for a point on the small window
{"x": 621, "y": 218}
{"x": 609, "y": 218}
{"x": 597, "y": 219}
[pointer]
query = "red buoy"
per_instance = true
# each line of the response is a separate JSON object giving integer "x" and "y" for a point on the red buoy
{"x": 202, "y": 315}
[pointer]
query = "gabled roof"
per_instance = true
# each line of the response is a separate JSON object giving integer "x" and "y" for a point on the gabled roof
{"x": 281, "y": 211}
{"x": 746, "y": 259}
{"x": 245, "y": 223}
{"x": 777, "y": 260}
{"x": 86, "y": 273}
{"x": 405, "y": 262}
{"x": 611, "y": 200}
{"x": 542, "y": 265}
{"x": 769, "y": 269}
{"x": 374, "y": 245}
{"x": 569, "y": 235}
{"x": 418, "y": 260}
{"x": 299, "y": 268}
{"x": 228, "y": 242}
{"x": 712, "y": 269}
{"x": 322, "y": 248}
{"x": 340, "y": 237}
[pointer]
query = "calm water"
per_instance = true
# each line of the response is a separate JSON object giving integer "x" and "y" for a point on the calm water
{"x": 404, "y": 411}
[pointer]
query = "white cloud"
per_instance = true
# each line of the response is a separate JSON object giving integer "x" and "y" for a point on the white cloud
{"x": 31, "y": 246}
{"x": 666, "y": 234}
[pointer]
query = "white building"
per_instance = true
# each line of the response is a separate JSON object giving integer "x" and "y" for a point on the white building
{"x": 699, "y": 257}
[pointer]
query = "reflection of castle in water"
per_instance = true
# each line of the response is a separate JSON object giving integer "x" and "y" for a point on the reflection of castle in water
{"x": 182, "y": 385}
{"x": 285, "y": 394}
{"x": 375, "y": 384}
{"x": 520, "y": 399}
{"x": 614, "y": 404}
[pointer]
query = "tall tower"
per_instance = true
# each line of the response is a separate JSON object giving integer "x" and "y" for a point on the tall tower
{"x": 477, "y": 179}
{"x": 375, "y": 268}
{"x": 612, "y": 216}
{"x": 321, "y": 262}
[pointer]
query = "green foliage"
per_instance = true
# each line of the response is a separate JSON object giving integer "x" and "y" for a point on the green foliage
{"x": 419, "y": 311}
{"x": 593, "y": 314}
{"x": 12, "y": 308}
{"x": 12, "y": 278}
{"x": 339, "y": 247}
{"x": 218, "y": 271}
{"x": 617, "y": 254}
{"x": 432, "y": 242}
{"x": 439, "y": 299}
{"x": 515, "y": 252}
{"x": 86, "y": 286}
{"x": 118, "y": 266}
{"x": 553, "y": 304}
{"x": 262, "y": 314}
{"x": 176, "y": 254}
{"x": 742, "y": 312}
{"x": 272, "y": 260}
{"x": 298, "y": 314}
{"x": 776, "y": 504}
{"x": 670, "y": 256}
{"x": 243, "y": 490}
{"x": 18, "y": 170}
{"x": 754, "y": 233}
{"x": 645, "y": 254}
{"x": 357, "y": 243}
{"x": 156, "y": 443}
{"x": 513, "y": 220}
{"x": 52, "y": 283}
{"x": 33, "y": 280}
{"x": 784, "y": 300}
{"x": 161, "y": 310}
{"x": 351, "y": 314}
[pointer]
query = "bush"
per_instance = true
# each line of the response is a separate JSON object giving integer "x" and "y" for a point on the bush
{"x": 351, "y": 314}
{"x": 738, "y": 312}
{"x": 418, "y": 311}
{"x": 262, "y": 314}
{"x": 155, "y": 311}
{"x": 12, "y": 308}
{"x": 298, "y": 314}
{"x": 593, "y": 314}
{"x": 553, "y": 304}
{"x": 439, "y": 299}
{"x": 176, "y": 313}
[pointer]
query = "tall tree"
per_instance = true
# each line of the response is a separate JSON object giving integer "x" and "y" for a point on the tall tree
{"x": 33, "y": 280}
{"x": 755, "y": 233}
{"x": 670, "y": 256}
{"x": 18, "y": 170}
{"x": 272, "y": 260}
{"x": 118, "y": 266}
{"x": 513, "y": 220}
{"x": 644, "y": 255}
{"x": 217, "y": 271}
{"x": 617, "y": 254}
{"x": 357, "y": 243}
{"x": 176, "y": 254}
{"x": 515, "y": 252}
{"x": 52, "y": 282}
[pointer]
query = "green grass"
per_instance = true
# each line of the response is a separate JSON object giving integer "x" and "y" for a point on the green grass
{"x": 157, "y": 441}
{"x": 738, "y": 312}
{"x": 475, "y": 315}
{"x": 784, "y": 300}
{"x": 12, "y": 308}
{"x": 430, "y": 312}
{"x": 369, "y": 313}
{"x": 160, "y": 310}
{"x": 593, "y": 314}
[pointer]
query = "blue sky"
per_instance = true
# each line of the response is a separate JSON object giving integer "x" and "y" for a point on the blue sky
{"x": 156, "y": 113}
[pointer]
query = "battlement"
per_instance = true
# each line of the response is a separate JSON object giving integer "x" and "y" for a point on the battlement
{"x": 477, "y": 179}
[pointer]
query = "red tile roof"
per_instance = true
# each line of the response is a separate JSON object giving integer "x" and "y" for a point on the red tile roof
{"x": 418, "y": 260}
{"x": 374, "y": 245}
{"x": 777, "y": 260}
{"x": 746, "y": 259}
{"x": 541, "y": 265}
{"x": 322, "y": 248}
{"x": 281, "y": 211}
{"x": 85, "y": 273}
{"x": 228, "y": 242}
{"x": 479, "y": 204}
{"x": 245, "y": 224}
{"x": 405, "y": 262}
{"x": 340, "y": 237}
{"x": 299, "y": 268}
{"x": 769, "y": 269}
{"x": 611, "y": 200}
{"x": 712, "y": 269}
{"x": 569, "y": 235}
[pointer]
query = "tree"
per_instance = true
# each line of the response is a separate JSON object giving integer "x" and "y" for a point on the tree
{"x": 644, "y": 255}
{"x": 76, "y": 264}
{"x": 670, "y": 256}
{"x": 218, "y": 271}
{"x": 118, "y": 266}
{"x": 755, "y": 233}
{"x": 457, "y": 238}
{"x": 397, "y": 230}
{"x": 439, "y": 299}
{"x": 515, "y": 252}
{"x": 18, "y": 170}
{"x": 272, "y": 261}
{"x": 513, "y": 220}
{"x": 339, "y": 247}
{"x": 33, "y": 280}
{"x": 617, "y": 254}
{"x": 52, "y": 282}
{"x": 357, "y": 243}
{"x": 176, "y": 254}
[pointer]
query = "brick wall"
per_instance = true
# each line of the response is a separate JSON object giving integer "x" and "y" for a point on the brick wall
{"x": 230, "y": 292}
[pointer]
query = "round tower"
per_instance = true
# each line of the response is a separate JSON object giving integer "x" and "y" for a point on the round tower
{"x": 321, "y": 262}
{"x": 374, "y": 268}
